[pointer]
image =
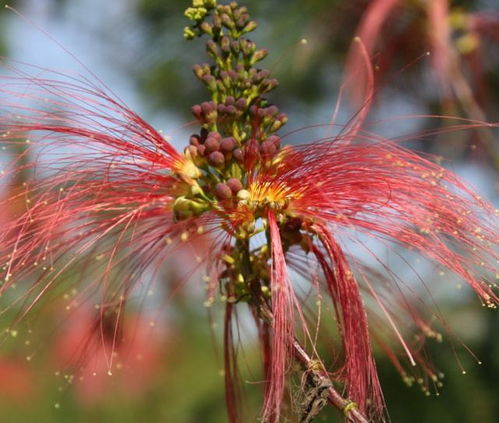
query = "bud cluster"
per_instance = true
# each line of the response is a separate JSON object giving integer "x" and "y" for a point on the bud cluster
{"x": 237, "y": 123}
{"x": 236, "y": 85}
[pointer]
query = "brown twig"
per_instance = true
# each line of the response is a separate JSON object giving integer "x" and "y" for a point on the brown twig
{"x": 347, "y": 407}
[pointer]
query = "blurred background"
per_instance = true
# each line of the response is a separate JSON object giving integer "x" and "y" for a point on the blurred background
{"x": 169, "y": 364}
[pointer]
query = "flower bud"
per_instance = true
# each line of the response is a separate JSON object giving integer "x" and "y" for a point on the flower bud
{"x": 268, "y": 149}
{"x": 195, "y": 13}
{"x": 259, "y": 55}
{"x": 201, "y": 150}
{"x": 276, "y": 125}
{"x": 237, "y": 13}
{"x": 231, "y": 110}
{"x": 213, "y": 49}
{"x": 216, "y": 159}
{"x": 195, "y": 140}
{"x": 272, "y": 111}
{"x": 210, "y": 82}
{"x": 241, "y": 22}
{"x": 206, "y": 28}
{"x": 210, "y": 4}
{"x": 225, "y": 44}
{"x": 227, "y": 21}
{"x": 189, "y": 34}
{"x": 276, "y": 140}
{"x": 226, "y": 80}
{"x": 227, "y": 145}
{"x": 184, "y": 208}
{"x": 223, "y": 192}
{"x": 221, "y": 87}
{"x": 244, "y": 45}
{"x": 241, "y": 104}
{"x": 263, "y": 74}
{"x": 217, "y": 23}
{"x": 181, "y": 209}
{"x": 240, "y": 69}
{"x": 238, "y": 155}
{"x": 214, "y": 134}
{"x": 209, "y": 110}
{"x": 283, "y": 118}
{"x": 235, "y": 185}
{"x": 197, "y": 111}
{"x": 250, "y": 26}
{"x": 198, "y": 71}
{"x": 212, "y": 144}
{"x": 234, "y": 45}
{"x": 268, "y": 85}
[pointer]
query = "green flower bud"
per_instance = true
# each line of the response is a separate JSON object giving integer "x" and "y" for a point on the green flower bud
{"x": 198, "y": 71}
{"x": 210, "y": 82}
{"x": 184, "y": 208}
{"x": 250, "y": 26}
{"x": 225, "y": 44}
{"x": 217, "y": 22}
{"x": 206, "y": 28}
{"x": 235, "y": 47}
{"x": 195, "y": 13}
{"x": 276, "y": 125}
{"x": 210, "y": 4}
{"x": 227, "y": 21}
{"x": 259, "y": 55}
{"x": 189, "y": 34}
{"x": 213, "y": 49}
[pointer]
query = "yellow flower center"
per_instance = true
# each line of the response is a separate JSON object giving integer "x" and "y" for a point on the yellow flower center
{"x": 268, "y": 194}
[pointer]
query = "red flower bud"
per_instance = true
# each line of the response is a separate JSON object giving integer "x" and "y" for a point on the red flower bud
{"x": 235, "y": 185}
{"x": 223, "y": 192}
{"x": 216, "y": 159}
{"x": 227, "y": 145}
{"x": 195, "y": 140}
{"x": 238, "y": 155}
{"x": 212, "y": 144}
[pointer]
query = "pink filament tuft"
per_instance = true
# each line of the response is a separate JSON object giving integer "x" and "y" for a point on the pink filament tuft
{"x": 282, "y": 326}
{"x": 359, "y": 369}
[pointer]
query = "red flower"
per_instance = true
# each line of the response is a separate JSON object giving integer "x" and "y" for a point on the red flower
{"x": 453, "y": 38}
{"x": 16, "y": 381}
{"x": 96, "y": 347}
